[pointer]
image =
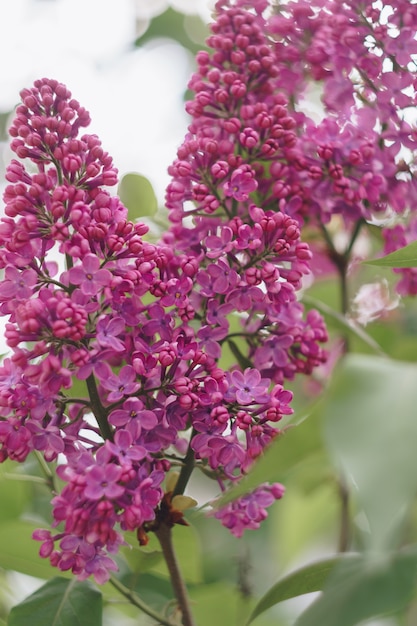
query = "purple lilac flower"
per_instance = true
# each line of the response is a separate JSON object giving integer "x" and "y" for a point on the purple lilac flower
{"x": 241, "y": 184}
{"x": 89, "y": 276}
{"x": 121, "y": 384}
{"x": 108, "y": 329}
{"x": 249, "y": 511}
{"x": 247, "y": 387}
{"x": 16, "y": 284}
{"x": 102, "y": 482}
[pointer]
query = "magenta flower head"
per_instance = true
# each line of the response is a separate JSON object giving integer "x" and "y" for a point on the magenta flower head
{"x": 249, "y": 511}
{"x": 242, "y": 183}
{"x": 90, "y": 278}
{"x": 102, "y": 482}
{"x": 146, "y": 325}
{"x": 248, "y": 387}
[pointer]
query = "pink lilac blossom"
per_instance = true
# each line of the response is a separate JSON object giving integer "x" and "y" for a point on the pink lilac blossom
{"x": 359, "y": 160}
{"x": 254, "y": 168}
{"x": 236, "y": 138}
{"x": 117, "y": 321}
{"x": 249, "y": 510}
{"x": 144, "y": 326}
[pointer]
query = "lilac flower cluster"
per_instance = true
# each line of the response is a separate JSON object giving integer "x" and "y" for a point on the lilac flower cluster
{"x": 116, "y": 343}
{"x": 359, "y": 162}
{"x": 225, "y": 199}
{"x": 250, "y": 112}
{"x": 250, "y": 510}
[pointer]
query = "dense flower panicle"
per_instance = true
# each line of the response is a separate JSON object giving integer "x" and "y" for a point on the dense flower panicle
{"x": 143, "y": 328}
{"x": 248, "y": 116}
{"x": 230, "y": 168}
{"x": 249, "y": 510}
{"x": 151, "y": 375}
{"x": 359, "y": 161}
{"x": 365, "y": 73}
{"x": 254, "y": 168}
{"x": 100, "y": 494}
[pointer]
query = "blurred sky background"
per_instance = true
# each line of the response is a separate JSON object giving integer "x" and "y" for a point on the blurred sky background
{"x": 135, "y": 95}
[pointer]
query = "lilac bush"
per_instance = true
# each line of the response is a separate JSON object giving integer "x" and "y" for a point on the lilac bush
{"x": 143, "y": 328}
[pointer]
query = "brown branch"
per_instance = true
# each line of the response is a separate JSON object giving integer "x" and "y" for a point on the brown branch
{"x": 164, "y": 534}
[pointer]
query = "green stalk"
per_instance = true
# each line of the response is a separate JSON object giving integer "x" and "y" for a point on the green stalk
{"x": 341, "y": 261}
{"x": 186, "y": 470}
{"x": 98, "y": 409}
{"x": 136, "y": 601}
{"x": 47, "y": 472}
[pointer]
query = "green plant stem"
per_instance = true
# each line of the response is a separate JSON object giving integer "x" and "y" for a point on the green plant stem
{"x": 164, "y": 535}
{"x": 341, "y": 261}
{"x": 358, "y": 227}
{"x": 47, "y": 472}
{"x": 186, "y": 470}
{"x": 136, "y": 601}
{"x": 344, "y": 532}
{"x": 69, "y": 262}
{"x": 27, "y": 478}
{"x": 344, "y": 496}
{"x": 344, "y": 298}
{"x": 98, "y": 409}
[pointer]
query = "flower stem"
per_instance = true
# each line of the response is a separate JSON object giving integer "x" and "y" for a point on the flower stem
{"x": 343, "y": 489}
{"x": 344, "y": 533}
{"x": 136, "y": 601}
{"x": 47, "y": 472}
{"x": 186, "y": 470}
{"x": 164, "y": 535}
{"x": 98, "y": 409}
{"x": 341, "y": 261}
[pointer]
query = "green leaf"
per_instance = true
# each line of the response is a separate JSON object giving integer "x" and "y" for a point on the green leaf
{"x": 405, "y": 257}
{"x": 139, "y": 559}
{"x": 358, "y": 589}
{"x": 14, "y": 493}
{"x": 305, "y": 516}
{"x": 137, "y": 194}
{"x": 173, "y": 24}
{"x": 60, "y": 602}
{"x": 304, "y": 580}
{"x": 371, "y": 429}
{"x": 19, "y": 552}
{"x": 188, "y": 550}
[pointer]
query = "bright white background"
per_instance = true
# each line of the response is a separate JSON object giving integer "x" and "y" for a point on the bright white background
{"x": 134, "y": 95}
